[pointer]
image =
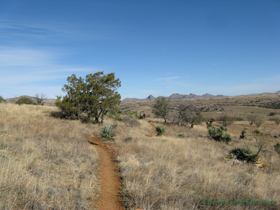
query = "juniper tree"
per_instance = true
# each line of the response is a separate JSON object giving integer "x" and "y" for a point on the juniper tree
{"x": 93, "y": 96}
{"x": 161, "y": 108}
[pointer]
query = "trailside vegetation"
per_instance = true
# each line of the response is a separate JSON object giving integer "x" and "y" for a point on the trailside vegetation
{"x": 89, "y": 99}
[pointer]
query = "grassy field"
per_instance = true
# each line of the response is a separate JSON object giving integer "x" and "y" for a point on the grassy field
{"x": 167, "y": 172}
{"x": 45, "y": 162}
{"x": 180, "y": 173}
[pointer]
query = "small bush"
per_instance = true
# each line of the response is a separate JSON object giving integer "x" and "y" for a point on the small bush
{"x": 25, "y": 100}
{"x": 226, "y": 119}
{"x": 107, "y": 132}
{"x": 277, "y": 148}
{"x": 251, "y": 119}
{"x": 181, "y": 135}
{"x": 272, "y": 114}
{"x": 218, "y": 134}
{"x": 242, "y": 136}
{"x": 209, "y": 122}
{"x": 160, "y": 130}
{"x": 129, "y": 138}
{"x": 259, "y": 121}
{"x": 120, "y": 119}
{"x": 121, "y": 111}
{"x": 244, "y": 154}
{"x": 258, "y": 132}
{"x": 1, "y": 99}
{"x": 239, "y": 119}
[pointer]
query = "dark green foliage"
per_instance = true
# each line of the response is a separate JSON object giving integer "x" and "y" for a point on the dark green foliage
{"x": 94, "y": 96}
{"x": 25, "y": 100}
{"x": 1, "y": 99}
{"x": 161, "y": 108}
{"x": 107, "y": 132}
{"x": 120, "y": 119}
{"x": 244, "y": 154}
{"x": 160, "y": 130}
{"x": 277, "y": 148}
{"x": 239, "y": 119}
{"x": 218, "y": 134}
{"x": 242, "y": 136}
{"x": 121, "y": 111}
{"x": 129, "y": 138}
{"x": 209, "y": 122}
{"x": 181, "y": 135}
{"x": 272, "y": 114}
{"x": 258, "y": 132}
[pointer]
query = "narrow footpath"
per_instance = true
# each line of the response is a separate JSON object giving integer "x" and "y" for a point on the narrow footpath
{"x": 110, "y": 197}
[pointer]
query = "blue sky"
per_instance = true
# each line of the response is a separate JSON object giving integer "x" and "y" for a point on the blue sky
{"x": 155, "y": 47}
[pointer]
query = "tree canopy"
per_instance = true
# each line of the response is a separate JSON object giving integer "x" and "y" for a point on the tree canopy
{"x": 161, "y": 108}
{"x": 92, "y": 97}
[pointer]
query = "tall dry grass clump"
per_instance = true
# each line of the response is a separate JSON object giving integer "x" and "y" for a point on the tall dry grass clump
{"x": 45, "y": 162}
{"x": 184, "y": 173}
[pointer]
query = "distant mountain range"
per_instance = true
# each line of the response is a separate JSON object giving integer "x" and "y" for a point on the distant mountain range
{"x": 183, "y": 96}
{"x": 176, "y": 96}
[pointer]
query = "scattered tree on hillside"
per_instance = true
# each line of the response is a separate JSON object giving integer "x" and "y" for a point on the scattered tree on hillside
{"x": 161, "y": 108}
{"x": 1, "y": 99}
{"x": 226, "y": 119}
{"x": 189, "y": 113}
{"x": 25, "y": 100}
{"x": 251, "y": 119}
{"x": 40, "y": 98}
{"x": 92, "y": 97}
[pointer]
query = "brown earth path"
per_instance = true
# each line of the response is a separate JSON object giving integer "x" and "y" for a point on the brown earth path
{"x": 110, "y": 197}
{"x": 154, "y": 129}
{"x": 110, "y": 182}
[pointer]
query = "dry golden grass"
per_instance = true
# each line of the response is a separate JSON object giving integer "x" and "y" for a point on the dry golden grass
{"x": 45, "y": 162}
{"x": 180, "y": 173}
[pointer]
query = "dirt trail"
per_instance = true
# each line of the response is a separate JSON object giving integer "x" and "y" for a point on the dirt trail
{"x": 110, "y": 182}
{"x": 154, "y": 130}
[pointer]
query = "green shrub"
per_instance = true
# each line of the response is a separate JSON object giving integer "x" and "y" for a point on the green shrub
{"x": 25, "y": 100}
{"x": 160, "y": 130}
{"x": 1, "y": 99}
{"x": 277, "y": 148}
{"x": 181, "y": 135}
{"x": 242, "y": 136}
{"x": 107, "y": 132}
{"x": 120, "y": 119}
{"x": 244, "y": 154}
{"x": 209, "y": 122}
{"x": 121, "y": 111}
{"x": 272, "y": 114}
{"x": 258, "y": 132}
{"x": 239, "y": 119}
{"x": 129, "y": 138}
{"x": 218, "y": 134}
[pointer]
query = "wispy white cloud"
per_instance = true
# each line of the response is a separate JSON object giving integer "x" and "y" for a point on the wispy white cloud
{"x": 55, "y": 32}
{"x": 22, "y": 67}
{"x": 167, "y": 79}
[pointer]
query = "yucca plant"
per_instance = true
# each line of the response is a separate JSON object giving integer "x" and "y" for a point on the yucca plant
{"x": 107, "y": 132}
{"x": 160, "y": 130}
